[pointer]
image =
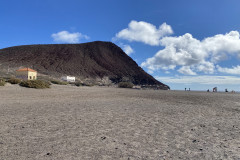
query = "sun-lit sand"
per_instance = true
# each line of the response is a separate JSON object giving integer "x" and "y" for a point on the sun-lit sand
{"x": 67, "y": 122}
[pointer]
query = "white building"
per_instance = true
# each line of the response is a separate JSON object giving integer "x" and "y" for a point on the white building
{"x": 68, "y": 79}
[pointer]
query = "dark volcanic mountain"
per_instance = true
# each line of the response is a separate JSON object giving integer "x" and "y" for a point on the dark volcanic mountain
{"x": 87, "y": 60}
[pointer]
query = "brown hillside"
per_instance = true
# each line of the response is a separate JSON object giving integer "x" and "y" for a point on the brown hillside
{"x": 87, "y": 60}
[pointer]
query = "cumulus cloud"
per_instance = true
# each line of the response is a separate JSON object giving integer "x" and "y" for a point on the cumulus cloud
{"x": 234, "y": 70}
{"x": 205, "y": 67}
{"x": 127, "y": 49}
{"x": 219, "y": 46}
{"x": 181, "y": 51}
{"x": 205, "y": 80}
{"x": 194, "y": 55}
{"x": 190, "y": 55}
{"x": 186, "y": 70}
{"x": 67, "y": 37}
{"x": 145, "y": 32}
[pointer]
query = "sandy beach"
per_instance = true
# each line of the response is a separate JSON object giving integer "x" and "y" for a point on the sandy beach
{"x": 78, "y": 123}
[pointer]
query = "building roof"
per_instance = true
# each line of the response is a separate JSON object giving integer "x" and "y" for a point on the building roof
{"x": 26, "y": 69}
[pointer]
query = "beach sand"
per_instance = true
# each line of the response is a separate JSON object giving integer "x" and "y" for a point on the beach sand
{"x": 67, "y": 122}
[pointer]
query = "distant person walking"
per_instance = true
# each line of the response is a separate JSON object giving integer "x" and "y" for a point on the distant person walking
{"x": 185, "y": 89}
{"x": 215, "y": 89}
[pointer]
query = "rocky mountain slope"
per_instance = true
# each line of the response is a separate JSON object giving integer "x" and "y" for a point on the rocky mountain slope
{"x": 88, "y": 60}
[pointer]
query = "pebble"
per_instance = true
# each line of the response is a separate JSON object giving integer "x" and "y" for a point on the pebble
{"x": 103, "y": 138}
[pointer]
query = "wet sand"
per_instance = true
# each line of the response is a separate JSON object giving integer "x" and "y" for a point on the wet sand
{"x": 67, "y": 122}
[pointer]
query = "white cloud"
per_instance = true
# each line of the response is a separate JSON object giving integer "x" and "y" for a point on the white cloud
{"x": 66, "y": 37}
{"x": 186, "y": 70}
{"x": 235, "y": 70}
{"x": 150, "y": 71}
{"x": 191, "y": 55}
{"x": 205, "y": 67}
{"x": 194, "y": 55}
{"x": 182, "y": 51}
{"x": 219, "y": 46}
{"x": 145, "y": 32}
{"x": 127, "y": 49}
{"x": 205, "y": 80}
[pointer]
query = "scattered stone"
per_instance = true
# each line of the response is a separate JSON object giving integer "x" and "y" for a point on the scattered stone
{"x": 202, "y": 125}
{"x": 103, "y": 138}
{"x": 49, "y": 154}
{"x": 225, "y": 155}
{"x": 201, "y": 149}
{"x": 124, "y": 143}
{"x": 116, "y": 148}
{"x": 194, "y": 141}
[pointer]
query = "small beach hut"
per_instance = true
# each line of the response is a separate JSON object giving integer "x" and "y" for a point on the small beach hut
{"x": 26, "y": 74}
{"x": 68, "y": 79}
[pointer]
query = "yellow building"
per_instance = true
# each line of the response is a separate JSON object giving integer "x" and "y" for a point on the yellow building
{"x": 26, "y": 74}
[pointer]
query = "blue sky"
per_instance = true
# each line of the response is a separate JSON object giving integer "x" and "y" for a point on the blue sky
{"x": 185, "y": 43}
